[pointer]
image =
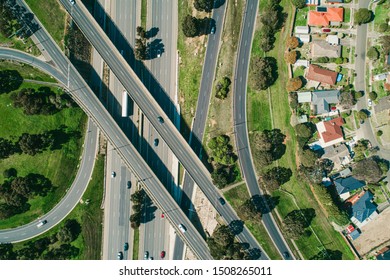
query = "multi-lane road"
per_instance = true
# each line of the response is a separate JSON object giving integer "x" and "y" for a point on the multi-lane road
{"x": 152, "y": 111}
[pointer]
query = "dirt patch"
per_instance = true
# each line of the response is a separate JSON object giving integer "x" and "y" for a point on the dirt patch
{"x": 374, "y": 234}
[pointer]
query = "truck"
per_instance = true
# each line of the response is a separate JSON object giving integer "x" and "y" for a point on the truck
{"x": 125, "y": 99}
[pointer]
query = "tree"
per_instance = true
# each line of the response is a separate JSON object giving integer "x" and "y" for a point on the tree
{"x": 294, "y": 84}
{"x": 385, "y": 41}
{"x": 7, "y": 251}
{"x": 347, "y": 100}
{"x": 204, "y": 5}
{"x": 368, "y": 170}
{"x": 10, "y": 80}
{"x": 292, "y": 42}
{"x": 315, "y": 173}
{"x": 308, "y": 157}
{"x": 221, "y": 150}
{"x": 275, "y": 177}
{"x": 140, "y": 50}
{"x": 373, "y": 95}
{"x": 190, "y": 26}
{"x": 303, "y": 130}
{"x": 362, "y": 115}
{"x": 358, "y": 94}
{"x": 295, "y": 222}
{"x": 10, "y": 172}
{"x": 338, "y": 60}
{"x": 7, "y": 148}
{"x": 363, "y": 15}
{"x": 220, "y": 177}
{"x": 223, "y": 236}
{"x": 69, "y": 231}
{"x": 323, "y": 59}
{"x": 379, "y": 133}
{"x": 383, "y": 27}
{"x": 291, "y": 57}
{"x": 360, "y": 148}
{"x": 141, "y": 32}
{"x": 222, "y": 88}
{"x": 372, "y": 53}
{"x": 263, "y": 72}
{"x": 249, "y": 211}
{"x": 299, "y": 3}
{"x": 32, "y": 144}
{"x": 294, "y": 101}
{"x": 138, "y": 197}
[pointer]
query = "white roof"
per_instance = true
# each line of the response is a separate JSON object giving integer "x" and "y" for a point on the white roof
{"x": 380, "y": 77}
{"x": 302, "y": 29}
{"x": 304, "y": 96}
{"x": 333, "y": 39}
{"x": 302, "y": 62}
{"x": 304, "y": 38}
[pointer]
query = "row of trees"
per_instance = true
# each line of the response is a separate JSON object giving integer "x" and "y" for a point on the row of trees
{"x": 272, "y": 20}
{"x": 54, "y": 247}
{"x": 337, "y": 60}
{"x": 193, "y": 26}
{"x": 138, "y": 199}
{"x": 16, "y": 191}
{"x": 7, "y": 23}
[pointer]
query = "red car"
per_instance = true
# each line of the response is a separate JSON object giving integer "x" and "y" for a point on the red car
{"x": 325, "y": 30}
{"x": 162, "y": 254}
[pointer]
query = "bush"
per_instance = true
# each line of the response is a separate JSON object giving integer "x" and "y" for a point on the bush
{"x": 373, "y": 53}
{"x": 339, "y": 60}
{"x": 379, "y": 133}
{"x": 294, "y": 84}
{"x": 383, "y": 27}
{"x": 299, "y": 3}
{"x": 323, "y": 59}
{"x": 292, "y": 42}
{"x": 373, "y": 95}
{"x": 363, "y": 15}
{"x": 290, "y": 57}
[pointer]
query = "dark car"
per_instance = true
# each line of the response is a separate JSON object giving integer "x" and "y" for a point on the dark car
{"x": 120, "y": 256}
{"x": 160, "y": 119}
{"x": 128, "y": 184}
{"x": 222, "y": 201}
{"x": 162, "y": 254}
{"x": 212, "y": 30}
{"x": 286, "y": 255}
{"x": 155, "y": 143}
{"x": 126, "y": 246}
{"x": 326, "y": 30}
{"x": 146, "y": 255}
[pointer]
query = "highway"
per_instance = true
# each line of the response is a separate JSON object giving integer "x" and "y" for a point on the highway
{"x": 202, "y": 108}
{"x": 84, "y": 173}
{"x": 240, "y": 120}
{"x": 86, "y": 99}
{"x": 152, "y": 111}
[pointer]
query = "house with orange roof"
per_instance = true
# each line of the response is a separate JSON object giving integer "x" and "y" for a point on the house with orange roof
{"x": 325, "y": 16}
{"x": 322, "y": 75}
{"x": 330, "y": 132}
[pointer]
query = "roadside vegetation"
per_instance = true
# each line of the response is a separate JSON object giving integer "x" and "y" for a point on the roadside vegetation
{"x": 40, "y": 145}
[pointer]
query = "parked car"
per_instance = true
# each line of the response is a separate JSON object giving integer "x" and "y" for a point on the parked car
{"x": 326, "y": 30}
{"x": 369, "y": 103}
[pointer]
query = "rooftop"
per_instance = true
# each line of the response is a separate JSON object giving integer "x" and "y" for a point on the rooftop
{"x": 345, "y": 185}
{"x": 363, "y": 208}
{"x": 334, "y": 14}
{"x": 330, "y": 132}
{"x": 321, "y": 75}
{"x": 322, "y": 99}
{"x": 321, "y": 48}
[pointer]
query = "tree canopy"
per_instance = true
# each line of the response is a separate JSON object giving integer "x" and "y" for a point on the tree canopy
{"x": 221, "y": 150}
{"x": 299, "y": 3}
{"x": 368, "y": 170}
{"x": 294, "y": 84}
{"x": 363, "y": 15}
{"x": 263, "y": 72}
{"x": 10, "y": 80}
{"x": 204, "y": 5}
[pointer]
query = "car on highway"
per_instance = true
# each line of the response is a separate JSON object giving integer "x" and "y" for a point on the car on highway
{"x": 212, "y": 30}
{"x": 155, "y": 142}
{"x": 120, "y": 255}
{"x": 150, "y": 258}
{"x": 72, "y": 2}
{"x": 160, "y": 119}
{"x": 286, "y": 255}
{"x": 326, "y": 30}
{"x": 128, "y": 184}
{"x": 162, "y": 254}
{"x": 222, "y": 201}
{"x": 146, "y": 255}
{"x": 41, "y": 223}
{"x": 182, "y": 228}
{"x": 369, "y": 102}
{"x": 158, "y": 53}
{"x": 126, "y": 246}
{"x": 113, "y": 174}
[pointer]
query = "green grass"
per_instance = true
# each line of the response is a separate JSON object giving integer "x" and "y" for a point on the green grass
{"x": 347, "y": 15}
{"x": 136, "y": 244}
{"x": 26, "y": 71}
{"x": 27, "y": 46}
{"x": 191, "y": 52}
{"x": 301, "y": 18}
{"x": 259, "y": 117}
{"x": 144, "y": 12}
{"x": 52, "y": 16}
{"x": 60, "y": 166}
{"x": 236, "y": 197}
{"x": 378, "y": 87}
{"x": 299, "y": 72}
{"x": 381, "y": 14}
{"x": 309, "y": 246}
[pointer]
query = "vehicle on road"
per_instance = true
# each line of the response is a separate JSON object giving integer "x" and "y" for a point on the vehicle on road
{"x": 286, "y": 255}
{"x": 222, "y": 201}
{"x": 212, "y": 30}
{"x": 146, "y": 255}
{"x": 155, "y": 142}
{"x": 41, "y": 223}
{"x": 125, "y": 100}
{"x": 158, "y": 53}
{"x": 120, "y": 255}
{"x": 162, "y": 254}
{"x": 150, "y": 258}
{"x": 162, "y": 216}
{"x": 160, "y": 119}
{"x": 126, "y": 246}
{"x": 72, "y": 2}
{"x": 113, "y": 174}
{"x": 369, "y": 102}
{"x": 128, "y": 184}
{"x": 182, "y": 228}
{"x": 326, "y": 30}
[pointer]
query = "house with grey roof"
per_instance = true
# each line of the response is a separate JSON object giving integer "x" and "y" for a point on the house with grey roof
{"x": 364, "y": 210}
{"x": 345, "y": 185}
{"x": 321, "y": 100}
{"x": 321, "y": 48}
{"x": 340, "y": 156}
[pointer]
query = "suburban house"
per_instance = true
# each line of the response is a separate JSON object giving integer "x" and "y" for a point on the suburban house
{"x": 330, "y": 132}
{"x": 321, "y": 48}
{"x": 322, "y": 100}
{"x": 333, "y": 39}
{"x": 362, "y": 209}
{"x": 302, "y": 29}
{"x": 345, "y": 185}
{"x": 380, "y": 77}
{"x": 340, "y": 156}
{"x": 322, "y": 75}
{"x": 312, "y": 2}
{"x": 326, "y": 16}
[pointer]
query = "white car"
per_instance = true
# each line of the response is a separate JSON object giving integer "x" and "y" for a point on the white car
{"x": 158, "y": 53}
{"x": 113, "y": 174}
{"x": 369, "y": 102}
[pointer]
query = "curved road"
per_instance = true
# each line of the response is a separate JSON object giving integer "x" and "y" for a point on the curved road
{"x": 240, "y": 121}
{"x": 79, "y": 185}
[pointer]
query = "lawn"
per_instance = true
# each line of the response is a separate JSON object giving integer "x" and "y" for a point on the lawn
{"x": 52, "y": 16}
{"x": 347, "y": 15}
{"x": 136, "y": 244}
{"x": 301, "y": 18}
{"x": 26, "y": 71}
{"x": 60, "y": 166}
{"x": 144, "y": 13}
{"x": 300, "y": 191}
{"x": 382, "y": 12}
{"x": 27, "y": 46}
{"x": 258, "y": 109}
{"x": 236, "y": 197}
{"x": 191, "y": 56}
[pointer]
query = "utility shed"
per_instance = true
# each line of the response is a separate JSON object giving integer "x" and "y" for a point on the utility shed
{"x": 302, "y": 29}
